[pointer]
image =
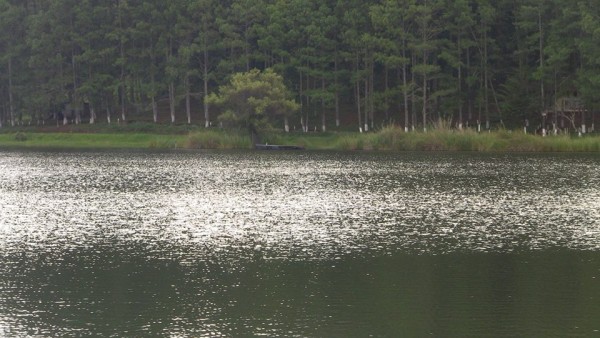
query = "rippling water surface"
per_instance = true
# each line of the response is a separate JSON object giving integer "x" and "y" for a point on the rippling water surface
{"x": 298, "y": 244}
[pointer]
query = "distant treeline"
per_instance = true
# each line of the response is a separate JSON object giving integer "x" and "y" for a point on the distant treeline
{"x": 361, "y": 63}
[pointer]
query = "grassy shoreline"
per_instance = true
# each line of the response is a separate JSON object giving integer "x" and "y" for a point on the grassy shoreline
{"x": 90, "y": 140}
{"x": 387, "y": 139}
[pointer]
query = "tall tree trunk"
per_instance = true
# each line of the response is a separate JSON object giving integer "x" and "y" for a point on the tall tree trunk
{"x": 542, "y": 91}
{"x": 424, "y": 111}
{"x": 11, "y": 104}
{"x": 372, "y": 92}
{"x": 92, "y": 114}
{"x": 122, "y": 56}
{"x": 77, "y": 115}
{"x": 91, "y": 105}
{"x": 154, "y": 109}
{"x": 302, "y": 122}
{"x": 75, "y": 98}
{"x": 541, "y": 32}
{"x": 405, "y": 87}
{"x": 481, "y": 102}
{"x": 357, "y": 94}
{"x": 205, "y": 80}
{"x": 460, "y": 99}
{"x": 171, "y": 86}
{"x": 385, "y": 97}
{"x": 554, "y": 112}
{"x": 425, "y": 32}
{"x": 358, "y": 104}
{"x": 323, "y": 126}
{"x": 366, "y": 104}
{"x": 123, "y": 102}
{"x": 122, "y": 78}
{"x": 486, "y": 77}
{"x": 413, "y": 95}
{"x": 188, "y": 108}
{"x": 592, "y": 129}
{"x": 153, "y": 89}
{"x": 469, "y": 89}
{"x": 172, "y": 101}
{"x": 337, "y": 94}
{"x": 308, "y": 103}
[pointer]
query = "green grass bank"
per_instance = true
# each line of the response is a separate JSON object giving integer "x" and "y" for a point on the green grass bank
{"x": 395, "y": 139}
{"x": 90, "y": 140}
{"x": 387, "y": 139}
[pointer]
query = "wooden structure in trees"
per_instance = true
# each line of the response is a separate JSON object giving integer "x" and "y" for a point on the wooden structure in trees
{"x": 570, "y": 113}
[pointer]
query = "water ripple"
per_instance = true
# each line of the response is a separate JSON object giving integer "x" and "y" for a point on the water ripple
{"x": 282, "y": 244}
{"x": 312, "y": 205}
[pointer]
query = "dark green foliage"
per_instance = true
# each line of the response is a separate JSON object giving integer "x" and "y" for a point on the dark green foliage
{"x": 348, "y": 63}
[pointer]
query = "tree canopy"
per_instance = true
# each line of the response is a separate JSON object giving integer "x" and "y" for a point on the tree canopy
{"x": 354, "y": 64}
{"x": 254, "y": 99}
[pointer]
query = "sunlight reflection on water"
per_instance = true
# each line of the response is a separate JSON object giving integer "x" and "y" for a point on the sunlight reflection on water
{"x": 84, "y": 216}
{"x": 306, "y": 206}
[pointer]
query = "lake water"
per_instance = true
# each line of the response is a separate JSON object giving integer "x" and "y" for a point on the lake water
{"x": 299, "y": 244}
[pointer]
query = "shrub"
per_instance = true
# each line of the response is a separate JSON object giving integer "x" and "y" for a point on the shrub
{"x": 20, "y": 136}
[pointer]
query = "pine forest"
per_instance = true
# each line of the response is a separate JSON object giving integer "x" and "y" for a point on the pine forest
{"x": 349, "y": 64}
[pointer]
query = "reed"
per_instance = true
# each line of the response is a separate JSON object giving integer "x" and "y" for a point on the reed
{"x": 445, "y": 139}
{"x": 217, "y": 139}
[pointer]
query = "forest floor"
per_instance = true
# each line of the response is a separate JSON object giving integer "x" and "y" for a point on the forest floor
{"x": 151, "y": 136}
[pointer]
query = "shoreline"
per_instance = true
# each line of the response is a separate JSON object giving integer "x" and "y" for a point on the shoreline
{"x": 387, "y": 139}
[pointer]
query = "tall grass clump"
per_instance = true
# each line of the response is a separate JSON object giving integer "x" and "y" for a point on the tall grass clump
{"x": 310, "y": 140}
{"x": 441, "y": 137}
{"x": 213, "y": 139}
{"x": 566, "y": 143}
{"x": 442, "y": 124}
{"x": 350, "y": 142}
{"x": 389, "y": 138}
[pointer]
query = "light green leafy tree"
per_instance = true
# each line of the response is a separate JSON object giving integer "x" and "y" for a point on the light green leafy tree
{"x": 253, "y": 100}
